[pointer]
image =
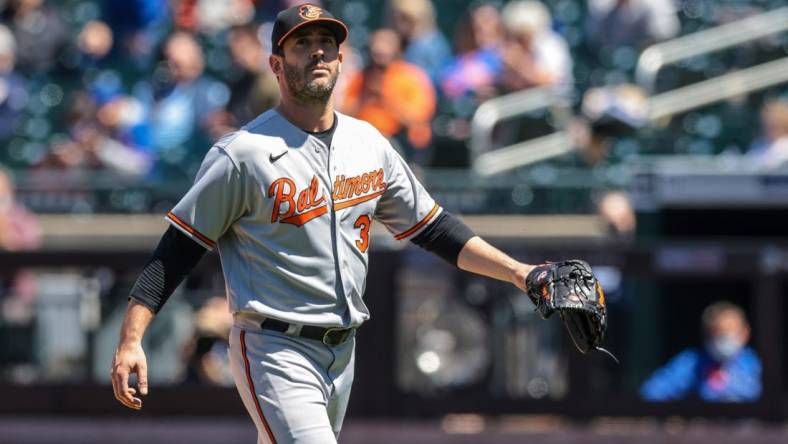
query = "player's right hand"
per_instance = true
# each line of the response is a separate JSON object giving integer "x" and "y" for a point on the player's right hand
{"x": 129, "y": 358}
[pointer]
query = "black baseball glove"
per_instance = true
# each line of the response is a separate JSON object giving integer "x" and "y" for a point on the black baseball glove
{"x": 570, "y": 288}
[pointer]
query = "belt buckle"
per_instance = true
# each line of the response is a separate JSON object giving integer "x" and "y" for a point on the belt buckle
{"x": 332, "y": 341}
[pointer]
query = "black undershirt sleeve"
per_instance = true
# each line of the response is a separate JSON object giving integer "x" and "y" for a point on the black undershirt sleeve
{"x": 445, "y": 237}
{"x": 174, "y": 258}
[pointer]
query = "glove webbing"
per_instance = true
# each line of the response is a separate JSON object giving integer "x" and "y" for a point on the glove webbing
{"x": 598, "y": 348}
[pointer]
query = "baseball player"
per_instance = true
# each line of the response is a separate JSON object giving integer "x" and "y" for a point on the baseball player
{"x": 288, "y": 201}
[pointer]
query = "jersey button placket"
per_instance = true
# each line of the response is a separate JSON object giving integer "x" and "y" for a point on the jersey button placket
{"x": 333, "y": 162}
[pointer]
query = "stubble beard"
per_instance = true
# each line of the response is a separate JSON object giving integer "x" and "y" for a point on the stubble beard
{"x": 306, "y": 91}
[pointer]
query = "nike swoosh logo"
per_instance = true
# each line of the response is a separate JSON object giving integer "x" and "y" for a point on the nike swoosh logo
{"x": 273, "y": 158}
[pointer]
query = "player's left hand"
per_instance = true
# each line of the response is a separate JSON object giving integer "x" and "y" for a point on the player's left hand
{"x": 571, "y": 289}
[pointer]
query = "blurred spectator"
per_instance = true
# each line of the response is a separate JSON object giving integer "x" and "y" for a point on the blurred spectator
{"x": 638, "y": 23}
{"x": 216, "y": 16}
{"x": 106, "y": 132}
{"x": 19, "y": 229}
{"x": 79, "y": 150}
{"x": 210, "y": 16}
{"x": 95, "y": 40}
{"x": 121, "y": 118}
{"x": 138, "y": 27}
{"x": 469, "y": 79}
{"x": 206, "y": 354}
{"x": 533, "y": 54}
{"x": 771, "y": 151}
{"x": 724, "y": 370}
{"x": 94, "y": 44}
{"x": 424, "y": 45}
{"x": 351, "y": 66}
{"x": 184, "y": 15}
{"x": 615, "y": 210}
{"x": 182, "y": 103}
{"x": 40, "y": 34}
{"x": 478, "y": 65}
{"x": 393, "y": 95}
{"x": 486, "y": 27}
{"x": 13, "y": 92}
{"x": 253, "y": 87}
{"x": 609, "y": 114}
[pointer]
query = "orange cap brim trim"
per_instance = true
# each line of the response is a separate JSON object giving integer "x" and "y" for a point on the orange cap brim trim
{"x": 314, "y": 22}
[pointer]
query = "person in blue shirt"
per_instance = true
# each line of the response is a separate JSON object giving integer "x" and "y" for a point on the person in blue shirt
{"x": 423, "y": 43}
{"x": 724, "y": 370}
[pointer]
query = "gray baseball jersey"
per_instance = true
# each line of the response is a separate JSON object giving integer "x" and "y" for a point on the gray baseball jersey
{"x": 291, "y": 217}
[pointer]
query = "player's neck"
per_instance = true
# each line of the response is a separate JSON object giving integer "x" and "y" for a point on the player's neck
{"x": 313, "y": 118}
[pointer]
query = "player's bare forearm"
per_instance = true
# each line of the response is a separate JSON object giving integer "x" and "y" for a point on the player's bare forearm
{"x": 477, "y": 256}
{"x": 129, "y": 357}
{"x": 136, "y": 321}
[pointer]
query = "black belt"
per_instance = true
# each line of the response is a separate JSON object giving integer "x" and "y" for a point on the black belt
{"x": 330, "y": 336}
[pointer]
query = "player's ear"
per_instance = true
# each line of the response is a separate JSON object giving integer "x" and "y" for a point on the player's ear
{"x": 275, "y": 62}
{"x": 339, "y": 57}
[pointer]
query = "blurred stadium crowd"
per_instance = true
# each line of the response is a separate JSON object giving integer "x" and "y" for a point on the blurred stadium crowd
{"x": 140, "y": 88}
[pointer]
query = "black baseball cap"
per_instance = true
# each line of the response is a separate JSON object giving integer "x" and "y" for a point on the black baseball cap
{"x": 292, "y": 19}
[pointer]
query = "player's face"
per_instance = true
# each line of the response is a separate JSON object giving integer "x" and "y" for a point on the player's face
{"x": 310, "y": 64}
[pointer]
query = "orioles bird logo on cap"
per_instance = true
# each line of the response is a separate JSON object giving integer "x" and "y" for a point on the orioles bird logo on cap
{"x": 310, "y": 12}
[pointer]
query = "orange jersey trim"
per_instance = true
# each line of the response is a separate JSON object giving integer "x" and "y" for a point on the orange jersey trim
{"x": 349, "y": 203}
{"x": 251, "y": 388}
{"x": 416, "y": 227}
{"x": 203, "y": 238}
